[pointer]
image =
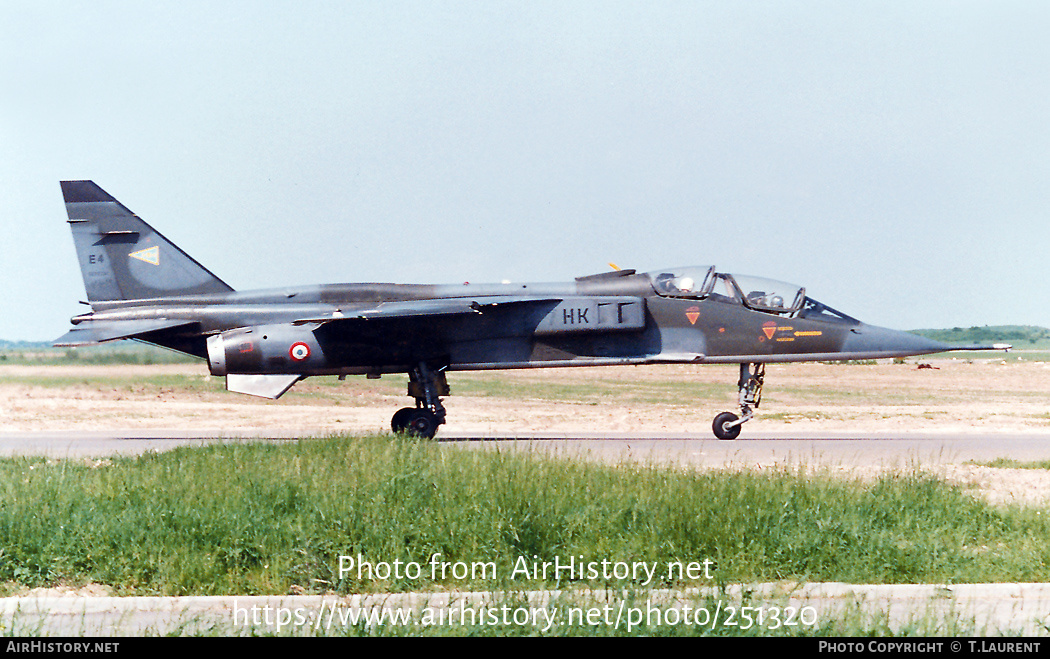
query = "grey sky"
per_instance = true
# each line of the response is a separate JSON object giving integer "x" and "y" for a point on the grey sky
{"x": 892, "y": 157}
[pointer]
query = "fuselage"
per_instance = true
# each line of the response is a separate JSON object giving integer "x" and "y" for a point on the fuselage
{"x": 617, "y": 317}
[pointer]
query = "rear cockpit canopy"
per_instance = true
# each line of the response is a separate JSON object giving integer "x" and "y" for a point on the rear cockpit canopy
{"x": 760, "y": 294}
{"x": 689, "y": 282}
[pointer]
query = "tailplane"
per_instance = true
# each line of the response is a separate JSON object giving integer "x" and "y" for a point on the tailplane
{"x": 122, "y": 257}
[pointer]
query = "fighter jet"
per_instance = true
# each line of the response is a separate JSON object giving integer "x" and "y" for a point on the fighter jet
{"x": 141, "y": 286}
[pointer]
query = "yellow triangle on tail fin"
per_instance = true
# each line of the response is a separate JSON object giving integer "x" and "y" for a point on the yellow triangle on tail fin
{"x": 150, "y": 255}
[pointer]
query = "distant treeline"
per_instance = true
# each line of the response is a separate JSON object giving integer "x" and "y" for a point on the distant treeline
{"x": 24, "y": 345}
{"x": 117, "y": 352}
{"x": 1019, "y": 335}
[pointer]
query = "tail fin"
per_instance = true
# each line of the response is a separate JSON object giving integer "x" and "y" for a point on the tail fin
{"x": 122, "y": 257}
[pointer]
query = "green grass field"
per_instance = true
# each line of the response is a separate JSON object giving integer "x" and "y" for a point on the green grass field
{"x": 275, "y": 518}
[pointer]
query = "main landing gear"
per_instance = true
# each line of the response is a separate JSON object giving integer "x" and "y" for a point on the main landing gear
{"x": 727, "y": 425}
{"x": 426, "y": 386}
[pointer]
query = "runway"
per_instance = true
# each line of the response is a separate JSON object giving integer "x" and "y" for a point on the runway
{"x": 901, "y": 449}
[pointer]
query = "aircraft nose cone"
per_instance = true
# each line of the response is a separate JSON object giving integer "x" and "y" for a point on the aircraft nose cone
{"x": 883, "y": 342}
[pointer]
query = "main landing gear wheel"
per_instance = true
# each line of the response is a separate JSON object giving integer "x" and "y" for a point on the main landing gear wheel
{"x": 426, "y": 386}
{"x": 719, "y": 426}
{"x": 400, "y": 421}
{"x": 422, "y": 423}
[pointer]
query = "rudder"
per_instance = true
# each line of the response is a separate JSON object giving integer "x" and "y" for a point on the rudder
{"x": 122, "y": 257}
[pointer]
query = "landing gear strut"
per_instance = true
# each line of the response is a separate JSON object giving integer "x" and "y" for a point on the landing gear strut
{"x": 426, "y": 386}
{"x": 727, "y": 425}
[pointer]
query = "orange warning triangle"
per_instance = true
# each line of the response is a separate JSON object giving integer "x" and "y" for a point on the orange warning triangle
{"x": 769, "y": 330}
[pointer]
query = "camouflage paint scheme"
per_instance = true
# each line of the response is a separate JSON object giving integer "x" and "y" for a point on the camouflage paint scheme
{"x": 141, "y": 286}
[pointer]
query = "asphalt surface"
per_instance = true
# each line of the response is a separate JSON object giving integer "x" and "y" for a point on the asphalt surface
{"x": 901, "y": 449}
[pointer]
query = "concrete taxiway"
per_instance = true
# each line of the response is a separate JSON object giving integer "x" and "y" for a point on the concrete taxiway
{"x": 982, "y": 609}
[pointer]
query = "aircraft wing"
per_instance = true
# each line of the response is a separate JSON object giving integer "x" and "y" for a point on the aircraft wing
{"x": 93, "y": 333}
{"x": 423, "y": 308}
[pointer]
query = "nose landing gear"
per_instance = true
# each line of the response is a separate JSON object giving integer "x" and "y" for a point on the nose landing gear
{"x": 752, "y": 376}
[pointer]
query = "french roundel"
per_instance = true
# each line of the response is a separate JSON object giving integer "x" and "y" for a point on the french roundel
{"x": 299, "y": 351}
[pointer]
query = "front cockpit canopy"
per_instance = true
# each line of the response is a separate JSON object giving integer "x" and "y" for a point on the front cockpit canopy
{"x": 769, "y": 295}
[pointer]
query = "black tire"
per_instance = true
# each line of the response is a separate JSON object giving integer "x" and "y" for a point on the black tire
{"x": 400, "y": 421}
{"x": 422, "y": 423}
{"x": 721, "y": 431}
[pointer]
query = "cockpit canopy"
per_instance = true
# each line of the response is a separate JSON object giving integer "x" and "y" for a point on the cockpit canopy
{"x": 691, "y": 282}
{"x": 769, "y": 295}
{"x": 756, "y": 293}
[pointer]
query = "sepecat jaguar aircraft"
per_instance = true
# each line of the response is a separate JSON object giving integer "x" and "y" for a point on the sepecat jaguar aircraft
{"x": 141, "y": 286}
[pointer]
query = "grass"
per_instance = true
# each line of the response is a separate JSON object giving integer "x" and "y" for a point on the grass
{"x": 1009, "y": 463}
{"x": 595, "y": 389}
{"x": 518, "y": 386}
{"x": 275, "y": 518}
{"x": 127, "y": 383}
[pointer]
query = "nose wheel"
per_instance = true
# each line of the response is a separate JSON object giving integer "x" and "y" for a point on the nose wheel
{"x": 726, "y": 426}
{"x": 752, "y": 376}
